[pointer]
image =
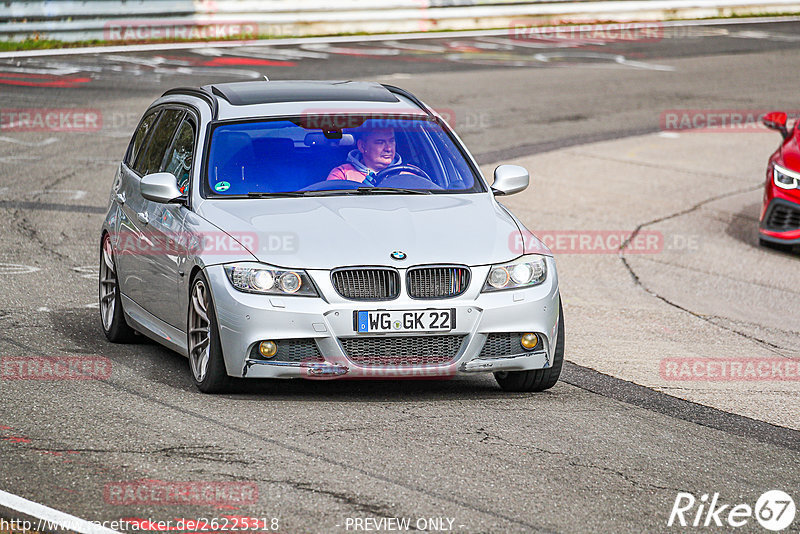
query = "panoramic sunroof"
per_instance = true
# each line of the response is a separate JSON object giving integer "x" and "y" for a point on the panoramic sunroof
{"x": 267, "y": 92}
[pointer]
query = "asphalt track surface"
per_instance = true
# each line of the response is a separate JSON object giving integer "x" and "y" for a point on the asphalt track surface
{"x": 594, "y": 454}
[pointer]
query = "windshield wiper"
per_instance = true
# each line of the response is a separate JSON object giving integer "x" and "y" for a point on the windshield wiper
{"x": 335, "y": 192}
{"x": 266, "y": 194}
{"x": 390, "y": 190}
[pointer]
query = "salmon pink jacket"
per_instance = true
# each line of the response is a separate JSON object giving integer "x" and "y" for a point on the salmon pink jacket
{"x": 355, "y": 170}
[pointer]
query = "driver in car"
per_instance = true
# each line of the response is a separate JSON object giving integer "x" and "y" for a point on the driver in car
{"x": 376, "y": 151}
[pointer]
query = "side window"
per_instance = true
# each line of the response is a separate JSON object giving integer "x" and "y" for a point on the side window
{"x": 139, "y": 136}
{"x": 458, "y": 171}
{"x": 179, "y": 157}
{"x": 420, "y": 154}
{"x": 158, "y": 142}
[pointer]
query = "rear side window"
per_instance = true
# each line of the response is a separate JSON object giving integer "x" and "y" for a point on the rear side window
{"x": 139, "y": 136}
{"x": 179, "y": 158}
{"x": 158, "y": 142}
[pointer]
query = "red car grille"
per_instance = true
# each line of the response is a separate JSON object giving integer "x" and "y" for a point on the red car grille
{"x": 783, "y": 217}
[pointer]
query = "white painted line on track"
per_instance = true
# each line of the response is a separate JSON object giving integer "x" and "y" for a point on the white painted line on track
{"x": 613, "y": 58}
{"x": 51, "y": 516}
{"x": 352, "y": 38}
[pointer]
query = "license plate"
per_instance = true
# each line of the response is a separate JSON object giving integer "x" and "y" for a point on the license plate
{"x": 404, "y": 321}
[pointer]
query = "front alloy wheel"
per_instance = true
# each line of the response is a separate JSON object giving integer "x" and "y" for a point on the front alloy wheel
{"x": 205, "y": 349}
{"x": 537, "y": 379}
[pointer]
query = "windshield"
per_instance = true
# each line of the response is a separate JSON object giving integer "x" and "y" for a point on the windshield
{"x": 332, "y": 155}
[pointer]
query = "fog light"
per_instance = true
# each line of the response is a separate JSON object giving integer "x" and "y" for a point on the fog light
{"x": 268, "y": 349}
{"x": 529, "y": 341}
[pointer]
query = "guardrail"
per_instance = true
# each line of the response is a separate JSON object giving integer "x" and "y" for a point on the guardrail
{"x": 115, "y": 8}
{"x": 143, "y": 20}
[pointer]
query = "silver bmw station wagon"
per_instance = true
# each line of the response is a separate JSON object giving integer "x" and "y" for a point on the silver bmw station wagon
{"x": 322, "y": 230}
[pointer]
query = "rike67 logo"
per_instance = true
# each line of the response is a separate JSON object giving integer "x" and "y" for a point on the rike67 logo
{"x": 774, "y": 510}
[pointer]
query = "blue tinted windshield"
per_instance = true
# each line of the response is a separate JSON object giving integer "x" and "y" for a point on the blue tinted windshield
{"x": 285, "y": 156}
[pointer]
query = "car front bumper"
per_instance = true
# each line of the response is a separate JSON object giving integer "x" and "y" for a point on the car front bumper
{"x": 780, "y": 218}
{"x": 245, "y": 319}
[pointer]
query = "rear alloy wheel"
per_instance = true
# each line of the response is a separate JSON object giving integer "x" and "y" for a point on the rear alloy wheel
{"x": 537, "y": 379}
{"x": 111, "y": 315}
{"x": 205, "y": 349}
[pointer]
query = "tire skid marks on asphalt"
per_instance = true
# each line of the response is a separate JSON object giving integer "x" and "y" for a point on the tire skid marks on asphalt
{"x": 67, "y": 194}
{"x": 10, "y": 159}
{"x": 51, "y": 515}
{"x": 88, "y": 271}
{"x": 310, "y": 453}
{"x": 52, "y": 206}
{"x": 16, "y": 268}
{"x": 45, "y": 142}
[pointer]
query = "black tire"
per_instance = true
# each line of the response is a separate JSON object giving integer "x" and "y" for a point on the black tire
{"x": 112, "y": 316}
{"x": 537, "y": 379}
{"x": 213, "y": 378}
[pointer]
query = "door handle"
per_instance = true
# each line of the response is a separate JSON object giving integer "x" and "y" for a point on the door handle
{"x": 143, "y": 218}
{"x": 120, "y": 198}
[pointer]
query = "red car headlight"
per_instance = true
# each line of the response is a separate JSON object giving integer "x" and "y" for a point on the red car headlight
{"x": 785, "y": 179}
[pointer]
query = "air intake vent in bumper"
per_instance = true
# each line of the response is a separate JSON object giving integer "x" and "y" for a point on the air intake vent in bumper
{"x": 402, "y": 351}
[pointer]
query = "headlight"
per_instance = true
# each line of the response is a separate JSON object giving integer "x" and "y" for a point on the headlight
{"x": 527, "y": 271}
{"x": 785, "y": 179}
{"x": 261, "y": 278}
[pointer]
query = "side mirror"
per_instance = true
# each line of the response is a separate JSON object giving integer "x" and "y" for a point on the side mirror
{"x": 776, "y": 120}
{"x": 161, "y": 187}
{"x": 510, "y": 179}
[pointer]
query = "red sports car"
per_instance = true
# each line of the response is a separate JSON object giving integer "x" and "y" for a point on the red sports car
{"x": 780, "y": 213}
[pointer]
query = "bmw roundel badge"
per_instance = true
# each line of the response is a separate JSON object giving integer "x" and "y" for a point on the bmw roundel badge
{"x": 398, "y": 255}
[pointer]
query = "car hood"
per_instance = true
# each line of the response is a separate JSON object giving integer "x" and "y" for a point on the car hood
{"x": 329, "y": 232}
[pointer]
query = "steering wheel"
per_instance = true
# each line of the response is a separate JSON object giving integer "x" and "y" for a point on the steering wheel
{"x": 399, "y": 169}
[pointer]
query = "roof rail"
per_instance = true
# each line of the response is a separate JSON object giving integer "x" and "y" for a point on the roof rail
{"x": 406, "y": 94}
{"x": 198, "y": 92}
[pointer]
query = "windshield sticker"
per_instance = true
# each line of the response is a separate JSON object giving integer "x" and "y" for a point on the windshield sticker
{"x": 222, "y": 186}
